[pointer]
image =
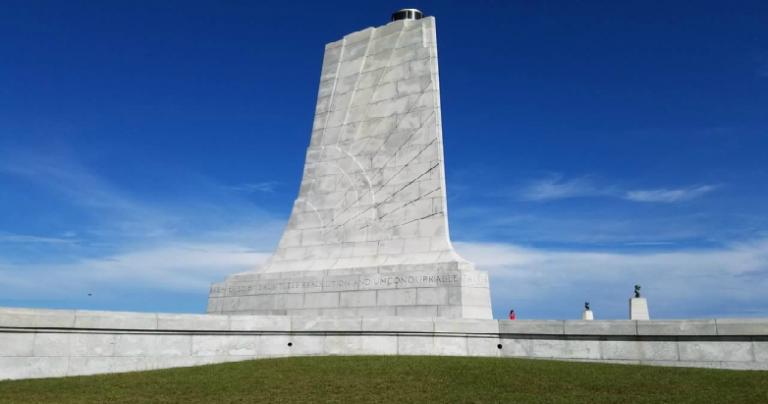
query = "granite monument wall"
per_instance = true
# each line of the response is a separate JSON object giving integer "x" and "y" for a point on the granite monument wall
{"x": 50, "y": 343}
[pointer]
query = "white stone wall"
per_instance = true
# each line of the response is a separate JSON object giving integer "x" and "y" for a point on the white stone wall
{"x": 373, "y": 188}
{"x": 50, "y": 343}
{"x": 436, "y": 290}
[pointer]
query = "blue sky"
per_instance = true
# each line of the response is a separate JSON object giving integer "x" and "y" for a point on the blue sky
{"x": 150, "y": 148}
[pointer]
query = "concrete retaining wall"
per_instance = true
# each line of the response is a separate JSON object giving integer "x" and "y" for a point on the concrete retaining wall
{"x": 49, "y": 343}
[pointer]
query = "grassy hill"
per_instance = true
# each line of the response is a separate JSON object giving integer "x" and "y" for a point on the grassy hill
{"x": 401, "y": 379}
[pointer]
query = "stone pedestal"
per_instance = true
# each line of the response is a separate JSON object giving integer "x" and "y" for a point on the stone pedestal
{"x": 411, "y": 291}
{"x": 638, "y": 309}
{"x": 587, "y": 315}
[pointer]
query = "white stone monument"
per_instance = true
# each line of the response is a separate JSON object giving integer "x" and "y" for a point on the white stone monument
{"x": 368, "y": 234}
{"x": 587, "y": 314}
{"x": 638, "y": 306}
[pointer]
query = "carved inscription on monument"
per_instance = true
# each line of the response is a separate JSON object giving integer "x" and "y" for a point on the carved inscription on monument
{"x": 364, "y": 282}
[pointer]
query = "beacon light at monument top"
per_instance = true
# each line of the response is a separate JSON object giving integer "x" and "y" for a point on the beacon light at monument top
{"x": 368, "y": 233}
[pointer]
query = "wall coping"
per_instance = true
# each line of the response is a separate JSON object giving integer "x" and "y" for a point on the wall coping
{"x": 31, "y": 319}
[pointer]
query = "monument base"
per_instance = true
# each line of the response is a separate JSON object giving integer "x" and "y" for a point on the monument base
{"x": 638, "y": 309}
{"x": 587, "y": 315}
{"x": 428, "y": 290}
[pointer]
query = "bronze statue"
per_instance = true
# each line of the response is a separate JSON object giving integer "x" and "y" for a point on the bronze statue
{"x": 586, "y": 306}
{"x": 637, "y": 290}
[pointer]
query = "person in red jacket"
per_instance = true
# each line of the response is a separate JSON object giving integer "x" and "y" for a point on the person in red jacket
{"x": 512, "y": 315}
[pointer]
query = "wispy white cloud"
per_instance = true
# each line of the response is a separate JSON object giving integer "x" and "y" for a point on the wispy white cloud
{"x": 175, "y": 267}
{"x": 114, "y": 213}
{"x": 556, "y": 187}
{"x": 70, "y": 179}
{"x": 669, "y": 195}
{"x": 553, "y": 187}
{"x": 587, "y": 227}
{"x": 130, "y": 240}
{"x": 25, "y": 238}
{"x": 547, "y": 280}
{"x": 74, "y": 186}
{"x": 725, "y": 281}
{"x": 738, "y": 259}
{"x": 266, "y": 186}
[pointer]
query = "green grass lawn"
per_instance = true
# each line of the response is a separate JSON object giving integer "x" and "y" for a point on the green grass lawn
{"x": 401, "y": 379}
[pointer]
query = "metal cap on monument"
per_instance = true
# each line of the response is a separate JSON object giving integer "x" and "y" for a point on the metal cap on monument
{"x": 407, "y": 14}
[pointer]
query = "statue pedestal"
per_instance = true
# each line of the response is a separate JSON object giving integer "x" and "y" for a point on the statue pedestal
{"x": 587, "y": 315}
{"x": 638, "y": 309}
